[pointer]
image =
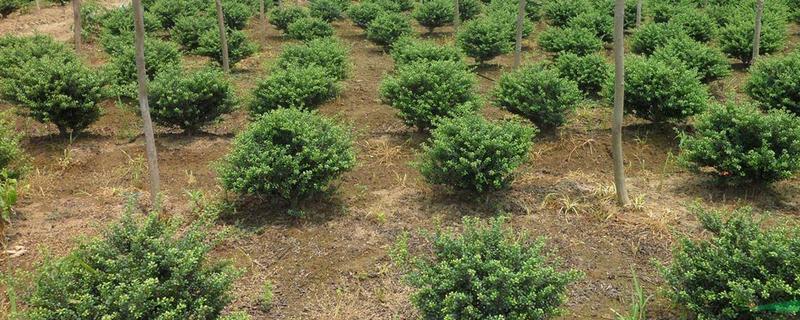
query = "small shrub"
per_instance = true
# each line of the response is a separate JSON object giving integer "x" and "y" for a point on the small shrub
{"x": 119, "y": 21}
{"x": 434, "y": 13}
{"x": 12, "y": 161}
{"x": 16, "y": 51}
{"x": 484, "y": 39}
{"x": 190, "y": 101}
{"x": 740, "y": 145}
{"x": 159, "y": 56}
{"x": 410, "y": 50}
{"x": 538, "y": 94}
{"x": 472, "y": 154}
{"x": 282, "y": 16}
{"x": 92, "y": 14}
{"x": 663, "y": 11}
{"x": 328, "y": 10}
{"x": 138, "y": 270}
{"x": 328, "y": 53}
{"x": 508, "y": 21}
{"x": 487, "y": 272}
{"x": 652, "y": 36}
{"x": 266, "y": 295}
{"x": 590, "y": 72}
{"x": 304, "y": 88}
{"x": 710, "y": 63}
{"x": 739, "y": 268}
{"x": 736, "y": 38}
{"x": 363, "y": 13}
{"x": 601, "y": 24}
{"x": 398, "y": 5}
{"x": 533, "y": 8}
{"x": 469, "y": 9}
{"x": 560, "y": 12}
{"x": 306, "y": 29}
{"x": 289, "y": 154}
{"x": 168, "y": 11}
{"x": 239, "y": 47}
{"x": 774, "y": 83}
{"x": 570, "y": 40}
{"x": 188, "y": 30}
{"x": 236, "y": 13}
{"x": 607, "y": 7}
{"x": 697, "y": 24}
{"x": 8, "y": 7}
{"x": 385, "y": 29}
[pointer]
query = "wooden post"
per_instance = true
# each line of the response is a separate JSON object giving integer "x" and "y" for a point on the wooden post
{"x": 223, "y": 38}
{"x": 638, "y": 13}
{"x": 149, "y": 137}
{"x": 757, "y": 30}
{"x": 520, "y": 25}
{"x": 619, "y": 102}
{"x": 457, "y": 16}
{"x": 76, "y": 14}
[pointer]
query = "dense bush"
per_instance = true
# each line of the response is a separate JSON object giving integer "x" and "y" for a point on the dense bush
{"x": 741, "y": 145}
{"x": 652, "y": 36}
{"x": 469, "y": 153}
{"x": 508, "y": 21}
{"x": 387, "y": 27}
{"x": 236, "y": 13}
{"x": 16, "y": 51}
{"x": 697, "y": 24}
{"x": 774, "y": 83}
{"x": 190, "y": 101}
{"x": 92, "y": 14}
{"x": 739, "y": 268}
{"x": 601, "y": 24}
{"x": 328, "y": 53}
{"x": 117, "y": 22}
{"x": 434, "y": 13}
{"x": 168, "y": 11}
{"x": 538, "y": 94}
{"x": 570, "y": 40}
{"x": 304, "y": 88}
{"x": 736, "y": 38}
{"x": 9, "y": 6}
{"x": 328, "y": 10}
{"x": 488, "y": 272}
{"x": 659, "y": 91}
{"x": 282, "y": 16}
{"x": 138, "y": 270}
{"x": 710, "y": 63}
{"x": 469, "y": 9}
{"x": 533, "y": 8}
{"x": 188, "y": 30}
{"x": 425, "y": 91}
{"x": 590, "y": 72}
{"x": 560, "y": 12}
{"x": 409, "y": 50}
{"x": 306, "y": 29}
{"x": 483, "y": 39}
{"x": 607, "y": 7}
{"x": 239, "y": 47}
{"x": 663, "y": 11}
{"x": 160, "y": 55}
{"x": 289, "y": 154}
{"x": 363, "y": 13}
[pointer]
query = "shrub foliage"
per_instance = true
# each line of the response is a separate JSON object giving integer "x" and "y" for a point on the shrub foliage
{"x": 304, "y": 88}
{"x": 387, "y": 28}
{"x": 774, "y": 83}
{"x": 590, "y": 72}
{"x": 538, "y": 94}
{"x": 483, "y": 39}
{"x": 307, "y": 29}
{"x": 190, "y": 101}
{"x": 328, "y": 53}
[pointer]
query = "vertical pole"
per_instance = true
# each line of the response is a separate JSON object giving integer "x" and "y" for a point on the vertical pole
{"x": 518, "y": 45}
{"x": 638, "y": 13}
{"x": 457, "y": 16}
{"x": 619, "y": 101}
{"x": 76, "y": 15}
{"x": 223, "y": 38}
{"x": 757, "y": 30}
{"x": 149, "y": 137}
{"x": 263, "y": 19}
{"x": 38, "y": 5}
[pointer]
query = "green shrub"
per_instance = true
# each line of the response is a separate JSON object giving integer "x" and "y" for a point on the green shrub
{"x": 363, "y": 13}
{"x": 663, "y": 11}
{"x": 282, "y": 16}
{"x": 736, "y": 38}
{"x": 236, "y": 13}
{"x": 239, "y": 47}
{"x": 306, "y": 29}
{"x": 16, "y": 51}
{"x": 117, "y": 22}
{"x": 538, "y": 94}
{"x": 570, "y": 40}
{"x": 398, "y": 5}
{"x": 304, "y": 88}
{"x": 560, "y": 12}
{"x": 607, "y": 7}
{"x": 590, "y": 72}
{"x": 138, "y": 270}
{"x": 410, "y": 50}
{"x": 738, "y": 269}
{"x": 434, "y": 13}
{"x": 328, "y": 10}
{"x": 289, "y": 154}
{"x": 488, "y": 272}
{"x": 774, "y": 83}
{"x": 190, "y": 101}
{"x": 739, "y": 145}
{"x": 652, "y": 36}
{"x": 387, "y": 27}
{"x": 55, "y": 90}
{"x": 508, "y": 21}
{"x": 533, "y": 8}
{"x": 425, "y": 91}
{"x": 160, "y": 55}
{"x": 601, "y": 24}
{"x": 469, "y": 153}
{"x": 710, "y": 63}
{"x": 188, "y": 29}
{"x": 328, "y": 53}
{"x": 168, "y": 11}
{"x": 697, "y": 24}
{"x": 8, "y": 7}
{"x": 658, "y": 91}
{"x": 92, "y": 14}
{"x": 484, "y": 39}
{"x": 469, "y": 9}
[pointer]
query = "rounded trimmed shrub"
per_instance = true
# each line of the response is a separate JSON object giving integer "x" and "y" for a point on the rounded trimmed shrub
{"x": 697, "y": 24}
{"x": 774, "y": 83}
{"x": 559, "y": 12}
{"x": 607, "y": 7}
{"x": 600, "y": 23}
{"x": 304, "y": 88}
{"x": 570, "y": 40}
{"x": 8, "y": 7}
{"x": 363, "y": 13}
{"x": 538, "y": 94}
{"x": 590, "y": 72}
{"x": 410, "y": 50}
{"x": 328, "y": 10}
{"x": 736, "y": 38}
{"x": 488, "y": 272}
{"x": 239, "y": 47}
{"x": 663, "y": 11}
{"x": 652, "y": 36}
{"x": 469, "y": 9}
{"x": 190, "y": 101}
{"x": 328, "y": 53}
{"x": 15, "y": 51}
{"x": 137, "y": 270}
{"x": 282, "y": 16}
{"x": 236, "y": 13}
{"x": 710, "y": 63}
{"x": 121, "y": 70}
{"x": 188, "y": 30}
{"x": 434, "y": 13}
{"x": 288, "y": 154}
{"x": 387, "y": 27}
{"x": 119, "y": 21}
{"x": 168, "y": 11}
{"x": 426, "y": 91}
{"x": 484, "y": 39}
{"x": 471, "y": 154}
{"x": 508, "y": 20}
{"x": 306, "y": 29}
{"x": 658, "y": 91}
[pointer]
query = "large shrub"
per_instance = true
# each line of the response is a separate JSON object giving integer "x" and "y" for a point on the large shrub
{"x": 7, "y": 7}
{"x": 304, "y": 88}
{"x": 289, "y": 154}
{"x": 190, "y": 101}
{"x": 483, "y": 39}
{"x": 188, "y": 29}
{"x": 570, "y": 40}
{"x": 159, "y": 56}
{"x": 328, "y": 53}
{"x": 472, "y": 154}
{"x": 469, "y": 9}
{"x": 508, "y": 21}
{"x": 736, "y": 270}
{"x": 652, "y": 36}
{"x": 425, "y": 91}
{"x": 363, "y": 13}
{"x": 710, "y": 63}
{"x": 119, "y": 21}
{"x": 590, "y": 72}
{"x": 306, "y": 29}
{"x": 137, "y": 270}
{"x": 560, "y": 12}
{"x": 697, "y": 24}
{"x": 168, "y": 11}
{"x": 239, "y": 47}
{"x": 488, "y": 272}
{"x": 659, "y": 91}
{"x": 387, "y": 27}
{"x": 774, "y": 83}
{"x": 236, "y": 13}
{"x": 538, "y": 94}
{"x": 607, "y": 7}
{"x": 738, "y": 144}
{"x": 328, "y": 10}
{"x": 736, "y": 38}
{"x": 16, "y": 51}
{"x": 282, "y": 16}
{"x": 409, "y": 50}
{"x": 434, "y": 13}
{"x": 601, "y": 24}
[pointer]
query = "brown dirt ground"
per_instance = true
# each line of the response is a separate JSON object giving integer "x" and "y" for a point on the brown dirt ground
{"x": 333, "y": 264}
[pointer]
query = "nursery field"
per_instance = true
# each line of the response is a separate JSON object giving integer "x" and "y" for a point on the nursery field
{"x": 338, "y": 252}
